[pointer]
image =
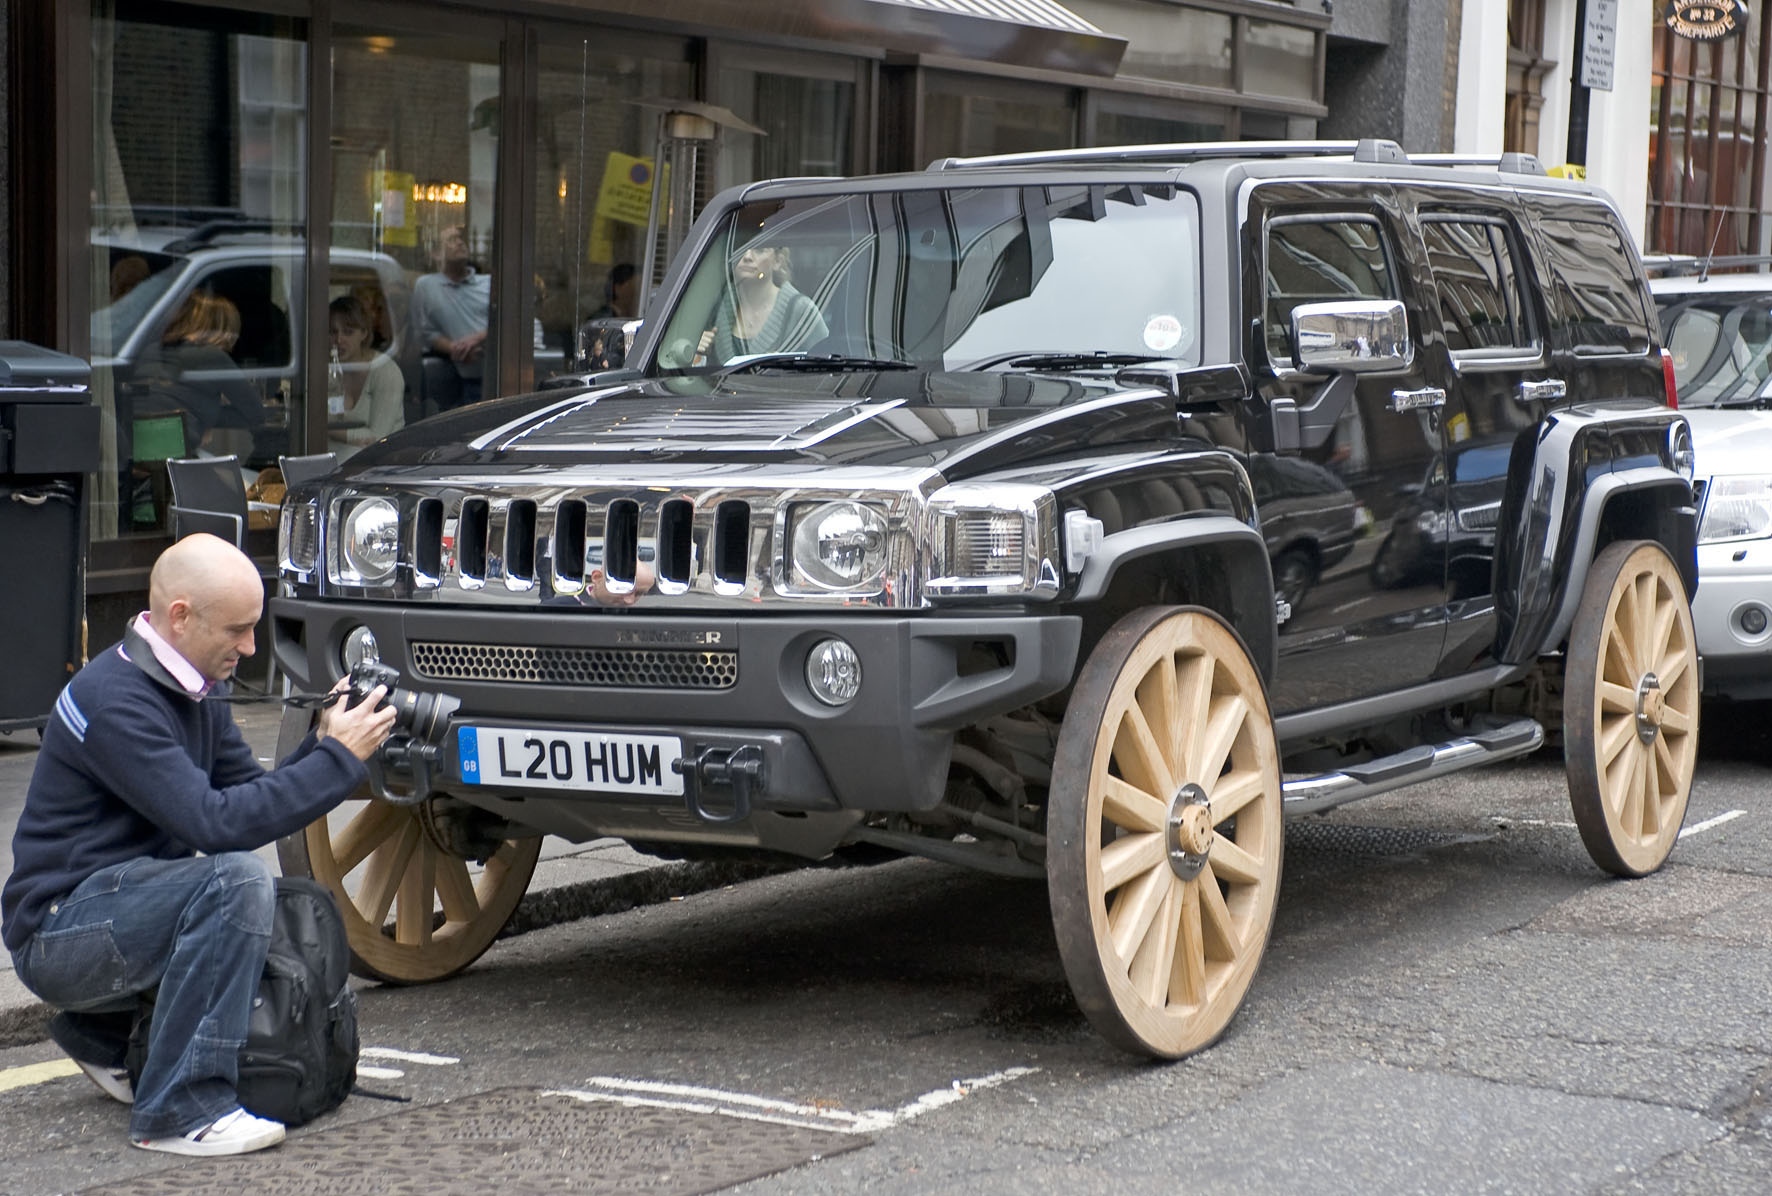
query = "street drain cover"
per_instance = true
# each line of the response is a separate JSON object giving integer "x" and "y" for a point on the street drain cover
{"x": 513, "y": 1141}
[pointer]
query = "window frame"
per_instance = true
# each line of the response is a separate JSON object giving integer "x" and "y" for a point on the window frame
{"x": 1500, "y": 356}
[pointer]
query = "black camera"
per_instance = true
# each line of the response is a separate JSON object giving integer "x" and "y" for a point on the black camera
{"x": 420, "y": 714}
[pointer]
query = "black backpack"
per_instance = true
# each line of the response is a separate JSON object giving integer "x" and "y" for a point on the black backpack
{"x": 300, "y": 1057}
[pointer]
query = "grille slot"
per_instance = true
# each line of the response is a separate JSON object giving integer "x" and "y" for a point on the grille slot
{"x": 675, "y": 557}
{"x": 621, "y": 545}
{"x": 732, "y": 534}
{"x": 470, "y": 543}
{"x": 609, "y": 668}
{"x": 569, "y": 546}
{"x": 519, "y": 551}
{"x": 427, "y": 544}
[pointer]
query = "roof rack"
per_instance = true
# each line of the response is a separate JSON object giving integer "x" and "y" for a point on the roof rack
{"x": 209, "y": 230}
{"x": 1675, "y": 265}
{"x": 1370, "y": 149}
{"x": 1511, "y": 162}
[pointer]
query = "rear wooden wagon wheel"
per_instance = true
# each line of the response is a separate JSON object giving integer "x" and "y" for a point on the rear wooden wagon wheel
{"x": 1630, "y": 708}
{"x": 413, "y": 910}
{"x": 1164, "y": 831}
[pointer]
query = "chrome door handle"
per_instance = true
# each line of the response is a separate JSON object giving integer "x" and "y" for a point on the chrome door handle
{"x": 1416, "y": 400}
{"x": 1549, "y": 388}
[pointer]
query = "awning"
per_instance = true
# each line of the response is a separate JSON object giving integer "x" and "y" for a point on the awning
{"x": 1040, "y": 34}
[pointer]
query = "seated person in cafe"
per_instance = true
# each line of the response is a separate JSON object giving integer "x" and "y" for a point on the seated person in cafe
{"x": 373, "y": 389}
{"x": 199, "y": 341}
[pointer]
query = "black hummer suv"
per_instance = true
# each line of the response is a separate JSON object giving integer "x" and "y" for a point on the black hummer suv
{"x": 923, "y": 520}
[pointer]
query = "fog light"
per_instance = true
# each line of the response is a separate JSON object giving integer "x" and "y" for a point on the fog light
{"x": 1753, "y": 620}
{"x": 833, "y": 672}
{"x": 359, "y": 646}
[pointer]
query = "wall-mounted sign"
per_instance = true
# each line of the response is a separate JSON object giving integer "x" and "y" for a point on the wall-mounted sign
{"x": 1599, "y": 43}
{"x": 1707, "y": 20}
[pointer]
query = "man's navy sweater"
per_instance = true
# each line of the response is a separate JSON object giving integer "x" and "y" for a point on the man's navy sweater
{"x": 131, "y": 765}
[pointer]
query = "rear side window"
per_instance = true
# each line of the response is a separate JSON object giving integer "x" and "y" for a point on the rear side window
{"x": 1481, "y": 304}
{"x": 1320, "y": 260}
{"x": 1593, "y": 300}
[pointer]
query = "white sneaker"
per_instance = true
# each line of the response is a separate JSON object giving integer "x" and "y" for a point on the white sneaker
{"x": 112, "y": 1081}
{"x": 238, "y": 1132}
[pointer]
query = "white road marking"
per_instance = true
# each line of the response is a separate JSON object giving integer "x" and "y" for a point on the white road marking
{"x": 1504, "y": 820}
{"x": 1719, "y": 820}
{"x": 37, "y": 1073}
{"x": 407, "y": 1056}
{"x": 378, "y": 1073}
{"x": 692, "y": 1099}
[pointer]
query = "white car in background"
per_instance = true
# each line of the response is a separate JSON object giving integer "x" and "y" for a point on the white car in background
{"x": 1718, "y": 327}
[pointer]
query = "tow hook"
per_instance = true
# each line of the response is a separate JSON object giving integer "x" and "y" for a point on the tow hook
{"x": 740, "y": 769}
{"x": 403, "y": 756}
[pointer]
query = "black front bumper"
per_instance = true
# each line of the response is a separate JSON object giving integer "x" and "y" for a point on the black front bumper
{"x": 886, "y": 750}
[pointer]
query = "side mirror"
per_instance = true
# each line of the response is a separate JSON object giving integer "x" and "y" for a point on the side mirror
{"x": 1355, "y": 337}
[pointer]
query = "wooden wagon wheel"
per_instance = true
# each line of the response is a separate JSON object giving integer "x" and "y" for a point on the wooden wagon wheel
{"x": 1630, "y": 708}
{"x": 1164, "y": 831}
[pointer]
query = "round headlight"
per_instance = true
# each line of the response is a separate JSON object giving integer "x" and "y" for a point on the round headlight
{"x": 840, "y": 545}
{"x": 371, "y": 542}
{"x": 360, "y": 646}
{"x": 833, "y": 672}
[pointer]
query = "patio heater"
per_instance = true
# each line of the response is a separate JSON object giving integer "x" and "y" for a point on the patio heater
{"x": 687, "y": 151}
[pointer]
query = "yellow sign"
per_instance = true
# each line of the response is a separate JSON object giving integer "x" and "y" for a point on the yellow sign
{"x": 1569, "y": 170}
{"x": 626, "y": 193}
{"x": 395, "y": 214}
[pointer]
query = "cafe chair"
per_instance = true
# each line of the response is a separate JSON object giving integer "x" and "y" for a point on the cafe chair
{"x": 208, "y": 495}
{"x": 308, "y": 468}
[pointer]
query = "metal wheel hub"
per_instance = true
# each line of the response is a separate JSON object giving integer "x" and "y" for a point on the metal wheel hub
{"x": 1651, "y": 707}
{"x": 1188, "y": 831}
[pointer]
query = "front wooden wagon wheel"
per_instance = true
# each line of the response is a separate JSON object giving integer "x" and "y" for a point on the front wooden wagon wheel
{"x": 1630, "y": 708}
{"x": 413, "y": 911}
{"x": 1164, "y": 833}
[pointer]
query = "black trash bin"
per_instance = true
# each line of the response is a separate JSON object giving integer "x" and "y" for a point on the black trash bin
{"x": 49, "y": 443}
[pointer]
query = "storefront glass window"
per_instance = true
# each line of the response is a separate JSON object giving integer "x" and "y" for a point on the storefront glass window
{"x": 1165, "y": 41}
{"x": 1123, "y": 120}
{"x": 806, "y": 110}
{"x": 197, "y": 243}
{"x": 966, "y": 116}
{"x": 415, "y": 122}
{"x": 594, "y": 147}
{"x": 1280, "y": 60}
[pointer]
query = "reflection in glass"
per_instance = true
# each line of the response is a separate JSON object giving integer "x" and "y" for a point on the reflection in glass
{"x": 197, "y": 238}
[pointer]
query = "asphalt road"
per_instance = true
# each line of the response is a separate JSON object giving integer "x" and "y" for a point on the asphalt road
{"x": 1454, "y": 1000}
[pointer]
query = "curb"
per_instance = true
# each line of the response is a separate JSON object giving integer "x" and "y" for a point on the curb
{"x": 28, "y": 1024}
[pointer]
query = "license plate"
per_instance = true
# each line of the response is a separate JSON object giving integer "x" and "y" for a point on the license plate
{"x": 594, "y": 761}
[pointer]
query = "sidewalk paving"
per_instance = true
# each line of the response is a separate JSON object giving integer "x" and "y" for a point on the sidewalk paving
{"x": 572, "y": 880}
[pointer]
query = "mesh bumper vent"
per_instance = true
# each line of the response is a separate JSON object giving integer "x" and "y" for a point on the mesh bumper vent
{"x": 616, "y": 668}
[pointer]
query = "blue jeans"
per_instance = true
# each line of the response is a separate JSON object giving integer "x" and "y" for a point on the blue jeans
{"x": 198, "y": 930}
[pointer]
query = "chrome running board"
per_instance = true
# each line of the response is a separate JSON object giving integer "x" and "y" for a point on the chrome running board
{"x": 1309, "y": 795}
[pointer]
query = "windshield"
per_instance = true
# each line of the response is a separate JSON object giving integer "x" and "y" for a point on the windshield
{"x": 1720, "y": 346}
{"x": 945, "y": 279}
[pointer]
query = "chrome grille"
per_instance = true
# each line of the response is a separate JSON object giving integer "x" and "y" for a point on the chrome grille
{"x": 1480, "y": 519}
{"x": 613, "y": 668}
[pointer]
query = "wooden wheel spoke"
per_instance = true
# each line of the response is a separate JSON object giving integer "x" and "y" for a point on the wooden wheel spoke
{"x": 455, "y": 889}
{"x": 1620, "y": 665}
{"x": 1139, "y": 755}
{"x": 1235, "y": 865}
{"x": 1675, "y": 720}
{"x": 1674, "y": 666}
{"x": 1135, "y": 910}
{"x": 1651, "y": 782}
{"x": 387, "y": 866}
{"x": 417, "y": 896}
{"x": 1616, "y": 697}
{"x": 1661, "y": 635}
{"x": 1616, "y": 733}
{"x": 1669, "y": 768}
{"x": 368, "y": 829}
{"x": 1126, "y": 805}
{"x": 1630, "y": 812}
{"x": 1219, "y": 930}
{"x": 1160, "y": 698}
{"x": 1187, "y": 979}
{"x": 1195, "y": 683}
{"x": 1155, "y": 958}
{"x": 1643, "y": 619}
{"x": 1226, "y": 724}
{"x": 1130, "y": 856}
{"x": 1233, "y": 791}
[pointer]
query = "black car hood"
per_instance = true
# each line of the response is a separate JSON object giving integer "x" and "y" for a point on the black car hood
{"x": 961, "y": 422}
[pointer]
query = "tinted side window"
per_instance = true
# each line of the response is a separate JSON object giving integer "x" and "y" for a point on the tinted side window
{"x": 1481, "y": 305}
{"x": 1593, "y": 302}
{"x": 1320, "y": 260}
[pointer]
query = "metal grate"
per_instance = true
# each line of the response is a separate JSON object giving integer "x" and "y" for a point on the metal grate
{"x": 615, "y": 668}
{"x": 1480, "y": 519}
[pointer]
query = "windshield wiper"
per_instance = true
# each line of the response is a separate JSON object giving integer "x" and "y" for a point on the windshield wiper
{"x": 817, "y": 363}
{"x": 1063, "y": 361}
